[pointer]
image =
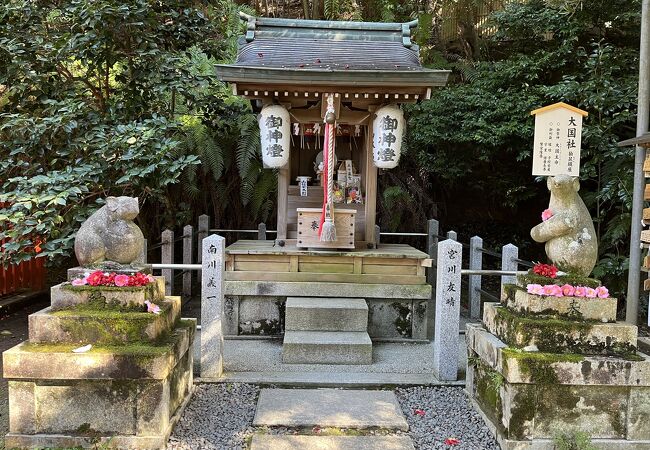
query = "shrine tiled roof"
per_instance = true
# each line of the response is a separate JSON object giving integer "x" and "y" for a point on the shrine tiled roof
{"x": 329, "y": 52}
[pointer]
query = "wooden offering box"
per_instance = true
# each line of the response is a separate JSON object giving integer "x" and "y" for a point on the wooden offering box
{"x": 308, "y": 221}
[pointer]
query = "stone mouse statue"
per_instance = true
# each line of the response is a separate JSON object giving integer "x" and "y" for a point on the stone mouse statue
{"x": 569, "y": 233}
{"x": 111, "y": 235}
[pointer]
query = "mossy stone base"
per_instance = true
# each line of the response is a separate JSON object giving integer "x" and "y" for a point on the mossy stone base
{"x": 559, "y": 335}
{"x": 581, "y": 308}
{"x": 79, "y": 272}
{"x": 65, "y": 295}
{"x": 122, "y": 396}
{"x": 82, "y": 324}
{"x": 526, "y": 398}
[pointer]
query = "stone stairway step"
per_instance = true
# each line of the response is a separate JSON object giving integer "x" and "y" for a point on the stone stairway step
{"x": 83, "y": 324}
{"x": 269, "y": 442}
{"x": 326, "y": 314}
{"x": 559, "y": 335}
{"x": 339, "y": 408}
{"x": 327, "y": 347}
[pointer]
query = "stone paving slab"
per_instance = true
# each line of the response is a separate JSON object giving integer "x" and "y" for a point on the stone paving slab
{"x": 268, "y": 442}
{"x": 329, "y": 408}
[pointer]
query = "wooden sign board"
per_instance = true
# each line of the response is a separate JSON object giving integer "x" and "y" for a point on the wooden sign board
{"x": 558, "y": 136}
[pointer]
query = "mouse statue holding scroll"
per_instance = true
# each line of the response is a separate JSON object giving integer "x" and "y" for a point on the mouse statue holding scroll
{"x": 110, "y": 235}
{"x": 567, "y": 228}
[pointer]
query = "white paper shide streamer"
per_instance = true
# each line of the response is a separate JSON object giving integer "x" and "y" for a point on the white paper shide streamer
{"x": 388, "y": 129}
{"x": 275, "y": 134}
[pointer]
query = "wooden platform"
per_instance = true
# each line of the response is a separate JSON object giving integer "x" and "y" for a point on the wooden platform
{"x": 266, "y": 261}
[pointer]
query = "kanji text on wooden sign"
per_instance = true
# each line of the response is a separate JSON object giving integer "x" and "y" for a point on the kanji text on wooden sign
{"x": 558, "y": 137}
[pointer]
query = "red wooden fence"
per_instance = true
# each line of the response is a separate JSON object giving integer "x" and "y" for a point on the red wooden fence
{"x": 27, "y": 275}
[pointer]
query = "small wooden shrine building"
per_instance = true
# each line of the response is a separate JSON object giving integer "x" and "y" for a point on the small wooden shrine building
{"x": 318, "y": 84}
{"x": 298, "y": 63}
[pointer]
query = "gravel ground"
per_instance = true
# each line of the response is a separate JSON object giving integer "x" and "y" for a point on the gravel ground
{"x": 220, "y": 417}
{"x": 447, "y": 414}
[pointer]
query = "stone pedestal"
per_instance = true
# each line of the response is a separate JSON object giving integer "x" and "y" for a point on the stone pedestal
{"x": 126, "y": 392}
{"x": 586, "y": 377}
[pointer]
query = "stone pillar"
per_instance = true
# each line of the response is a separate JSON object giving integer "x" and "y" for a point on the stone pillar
{"x": 201, "y": 233}
{"x": 475, "y": 263}
{"x": 509, "y": 253}
{"x": 212, "y": 289}
{"x": 167, "y": 257}
{"x": 188, "y": 240}
{"x": 261, "y": 232}
{"x": 447, "y": 321}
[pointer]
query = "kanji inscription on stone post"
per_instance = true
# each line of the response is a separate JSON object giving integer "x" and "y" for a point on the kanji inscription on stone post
{"x": 558, "y": 137}
{"x": 212, "y": 290}
{"x": 447, "y": 321}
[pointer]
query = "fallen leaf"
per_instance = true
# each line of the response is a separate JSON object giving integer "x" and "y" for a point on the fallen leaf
{"x": 83, "y": 349}
{"x": 260, "y": 55}
{"x": 419, "y": 412}
{"x": 6, "y": 333}
{"x": 452, "y": 441}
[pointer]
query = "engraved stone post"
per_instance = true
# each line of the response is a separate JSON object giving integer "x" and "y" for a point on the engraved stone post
{"x": 188, "y": 240}
{"x": 452, "y": 235}
{"x": 212, "y": 288}
{"x": 475, "y": 263}
{"x": 509, "y": 253}
{"x": 445, "y": 344}
{"x": 377, "y": 236}
{"x": 201, "y": 233}
{"x": 167, "y": 257}
{"x": 261, "y": 232}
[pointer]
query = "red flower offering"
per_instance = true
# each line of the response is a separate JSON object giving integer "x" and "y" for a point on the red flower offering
{"x": 452, "y": 441}
{"x": 99, "y": 278}
{"x": 419, "y": 412}
{"x": 545, "y": 270}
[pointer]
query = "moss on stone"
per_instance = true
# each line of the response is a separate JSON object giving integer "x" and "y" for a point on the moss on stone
{"x": 573, "y": 280}
{"x": 538, "y": 365}
{"x": 509, "y": 291}
{"x": 522, "y": 410}
{"x": 486, "y": 394}
{"x": 135, "y": 349}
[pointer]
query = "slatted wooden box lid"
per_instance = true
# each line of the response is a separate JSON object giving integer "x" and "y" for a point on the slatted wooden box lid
{"x": 308, "y": 221}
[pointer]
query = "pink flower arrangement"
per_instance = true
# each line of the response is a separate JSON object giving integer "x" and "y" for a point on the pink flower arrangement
{"x": 99, "y": 278}
{"x": 121, "y": 280}
{"x": 546, "y": 214}
{"x": 152, "y": 307}
{"x": 79, "y": 282}
{"x": 554, "y": 290}
{"x": 568, "y": 290}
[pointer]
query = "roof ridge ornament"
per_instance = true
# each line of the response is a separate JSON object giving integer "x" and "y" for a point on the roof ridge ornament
{"x": 250, "y": 25}
{"x": 260, "y": 24}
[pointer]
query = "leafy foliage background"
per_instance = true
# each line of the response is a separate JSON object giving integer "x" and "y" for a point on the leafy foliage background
{"x": 105, "y": 98}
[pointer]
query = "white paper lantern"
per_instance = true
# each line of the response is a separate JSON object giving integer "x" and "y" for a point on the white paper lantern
{"x": 275, "y": 134}
{"x": 388, "y": 129}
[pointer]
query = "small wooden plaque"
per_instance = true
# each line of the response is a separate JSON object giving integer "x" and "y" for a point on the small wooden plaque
{"x": 308, "y": 220}
{"x": 646, "y": 285}
{"x": 645, "y": 236}
{"x": 646, "y": 194}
